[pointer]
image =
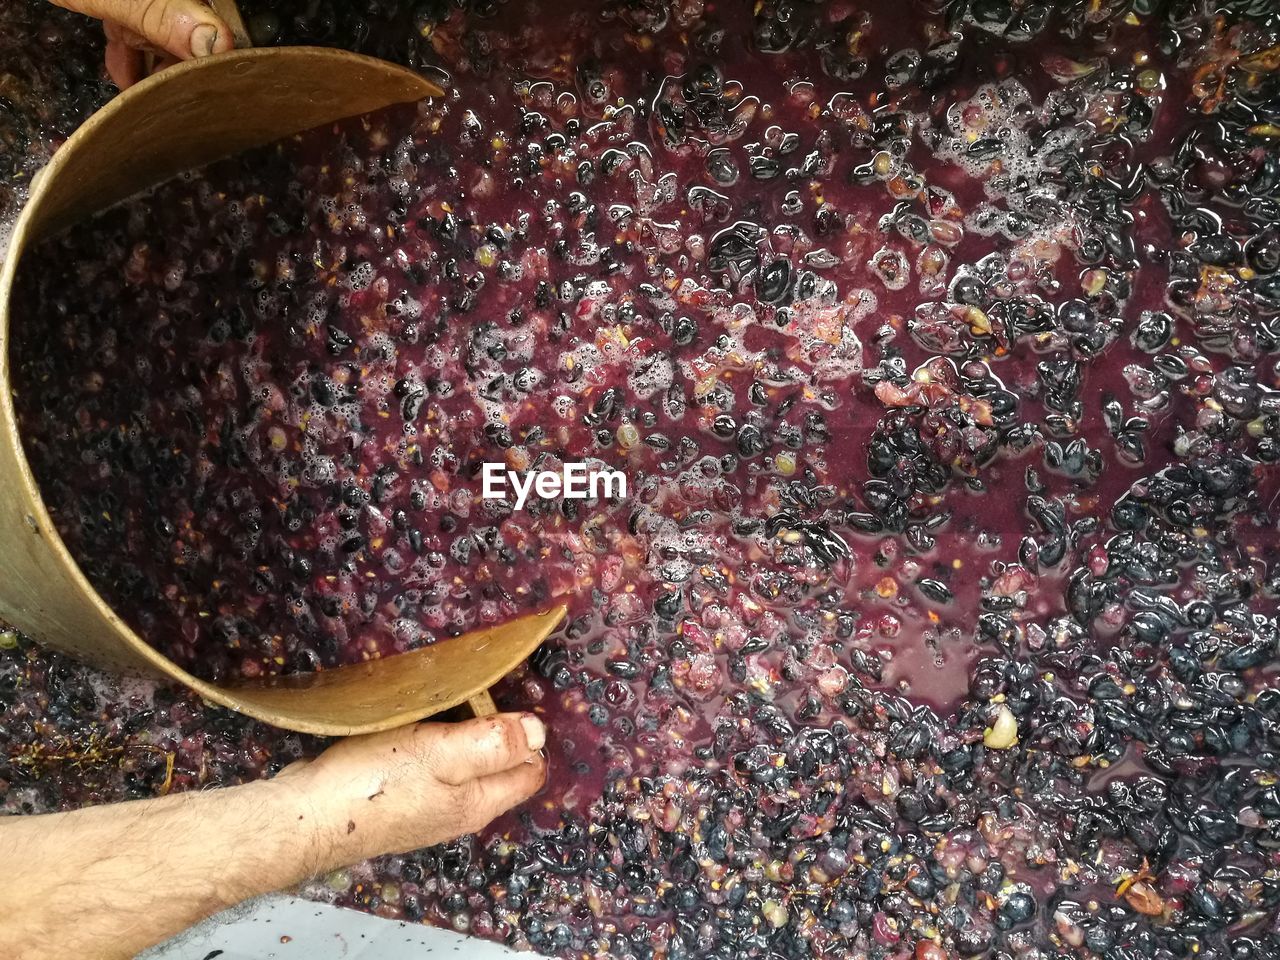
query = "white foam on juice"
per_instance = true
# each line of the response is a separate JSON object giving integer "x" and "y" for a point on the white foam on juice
{"x": 381, "y": 347}
{"x": 1000, "y": 112}
{"x": 361, "y": 276}
{"x": 563, "y": 405}
{"x": 652, "y": 375}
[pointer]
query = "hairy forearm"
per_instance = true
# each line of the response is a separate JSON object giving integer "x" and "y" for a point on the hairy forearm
{"x": 107, "y": 882}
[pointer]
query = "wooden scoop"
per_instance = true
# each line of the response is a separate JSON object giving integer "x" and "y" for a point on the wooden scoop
{"x": 181, "y": 118}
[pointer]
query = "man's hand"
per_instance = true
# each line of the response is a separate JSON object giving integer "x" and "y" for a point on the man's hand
{"x": 107, "y": 882}
{"x": 173, "y": 30}
{"x": 419, "y": 785}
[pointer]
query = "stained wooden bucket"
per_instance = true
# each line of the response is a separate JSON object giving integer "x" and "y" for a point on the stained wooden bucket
{"x": 185, "y": 117}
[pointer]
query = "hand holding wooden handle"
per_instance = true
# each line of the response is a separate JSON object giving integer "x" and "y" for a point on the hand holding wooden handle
{"x": 229, "y": 12}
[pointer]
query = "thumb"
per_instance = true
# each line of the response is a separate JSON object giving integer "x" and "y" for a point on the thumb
{"x": 481, "y": 747}
{"x": 182, "y": 28}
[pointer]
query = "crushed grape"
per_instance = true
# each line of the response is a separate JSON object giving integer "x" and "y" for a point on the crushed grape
{"x": 939, "y": 347}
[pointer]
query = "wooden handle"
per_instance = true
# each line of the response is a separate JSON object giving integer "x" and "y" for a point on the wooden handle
{"x": 482, "y": 704}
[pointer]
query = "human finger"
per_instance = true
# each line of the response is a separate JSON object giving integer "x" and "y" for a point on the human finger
{"x": 489, "y": 797}
{"x": 484, "y": 746}
{"x": 123, "y": 62}
{"x": 183, "y": 28}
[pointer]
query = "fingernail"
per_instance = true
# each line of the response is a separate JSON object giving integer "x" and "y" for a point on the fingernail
{"x": 535, "y": 733}
{"x": 203, "y": 38}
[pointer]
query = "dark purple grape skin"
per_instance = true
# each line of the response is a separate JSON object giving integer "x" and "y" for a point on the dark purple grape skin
{"x": 1095, "y": 449}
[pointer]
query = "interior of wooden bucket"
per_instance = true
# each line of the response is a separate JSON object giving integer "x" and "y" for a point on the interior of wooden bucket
{"x": 183, "y": 118}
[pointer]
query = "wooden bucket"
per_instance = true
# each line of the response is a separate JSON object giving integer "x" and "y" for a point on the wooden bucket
{"x": 185, "y": 117}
